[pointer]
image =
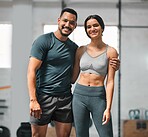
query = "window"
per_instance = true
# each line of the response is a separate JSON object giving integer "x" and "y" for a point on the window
{"x": 5, "y": 45}
{"x": 110, "y": 35}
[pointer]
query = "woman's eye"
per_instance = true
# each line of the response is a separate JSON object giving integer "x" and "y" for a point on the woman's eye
{"x": 88, "y": 27}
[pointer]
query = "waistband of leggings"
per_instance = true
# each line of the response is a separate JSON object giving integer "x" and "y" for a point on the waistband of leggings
{"x": 90, "y": 90}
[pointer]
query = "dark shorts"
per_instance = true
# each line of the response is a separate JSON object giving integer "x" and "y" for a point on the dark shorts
{"x": 54, "y": 108}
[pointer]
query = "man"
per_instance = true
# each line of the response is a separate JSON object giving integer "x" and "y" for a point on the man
{"x": 49, "y": 78}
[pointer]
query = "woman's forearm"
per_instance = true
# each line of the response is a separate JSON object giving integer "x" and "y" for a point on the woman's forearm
{"x": 109, "y": 94}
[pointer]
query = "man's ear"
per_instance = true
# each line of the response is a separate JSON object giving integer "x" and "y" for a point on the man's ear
{"x": 59, "y": 20}
{"x": 76, "y": 25}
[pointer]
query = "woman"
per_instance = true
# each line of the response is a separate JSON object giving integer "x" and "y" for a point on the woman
{"x": 91, "y": 96}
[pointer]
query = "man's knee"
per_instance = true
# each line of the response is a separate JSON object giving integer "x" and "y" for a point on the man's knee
{"x": 63, "y": 129}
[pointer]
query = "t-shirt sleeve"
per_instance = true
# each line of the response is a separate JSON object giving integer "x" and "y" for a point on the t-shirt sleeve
{"x": 39, "y": 48}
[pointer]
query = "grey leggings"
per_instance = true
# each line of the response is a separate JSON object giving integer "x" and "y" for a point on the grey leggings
{"x": 86, "y": 101}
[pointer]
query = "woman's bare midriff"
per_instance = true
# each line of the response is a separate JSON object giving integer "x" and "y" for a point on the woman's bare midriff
{"x": 89, "y": 79}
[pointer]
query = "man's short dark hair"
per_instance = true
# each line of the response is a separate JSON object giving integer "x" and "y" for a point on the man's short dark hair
{"x": 70, "y": 10}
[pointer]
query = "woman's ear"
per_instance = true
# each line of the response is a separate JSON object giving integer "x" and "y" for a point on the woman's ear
{"x": 102, "y": 33}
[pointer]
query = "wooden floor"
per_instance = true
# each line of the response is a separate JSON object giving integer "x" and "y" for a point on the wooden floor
{"x": 51, "y": 132}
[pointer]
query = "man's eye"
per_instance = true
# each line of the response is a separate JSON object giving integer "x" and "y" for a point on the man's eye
{"x": 65, "y": 20}
{"x": 72, "y": 22}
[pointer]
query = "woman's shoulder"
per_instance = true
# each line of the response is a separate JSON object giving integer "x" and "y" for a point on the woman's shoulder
{"x": 81, "y": 50}
{"x": 82, "y": 47}
{"x": 111, "y": 51}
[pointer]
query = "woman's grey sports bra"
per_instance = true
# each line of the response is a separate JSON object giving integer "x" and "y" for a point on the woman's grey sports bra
{"x": 96, "y": 65}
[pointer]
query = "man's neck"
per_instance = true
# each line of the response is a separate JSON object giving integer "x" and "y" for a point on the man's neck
{"x": 59, "y": 36}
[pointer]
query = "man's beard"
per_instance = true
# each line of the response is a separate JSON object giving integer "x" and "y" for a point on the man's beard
{"x": 63, "y": 34}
